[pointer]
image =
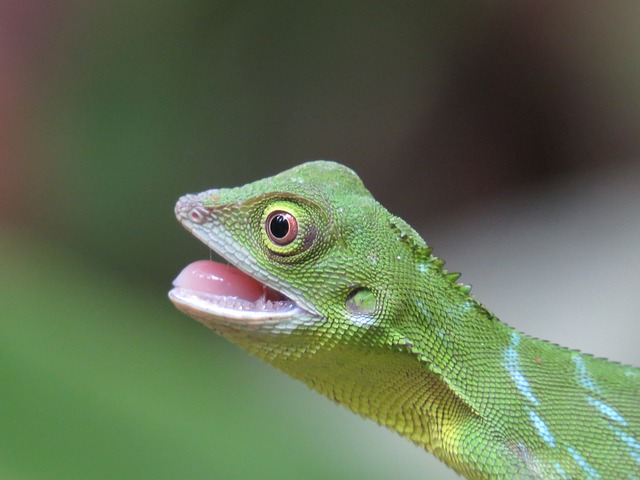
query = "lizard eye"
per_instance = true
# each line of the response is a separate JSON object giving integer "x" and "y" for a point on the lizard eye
{"x": 282, "y": 227}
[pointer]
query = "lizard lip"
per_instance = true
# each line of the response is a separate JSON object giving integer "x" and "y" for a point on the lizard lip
{"x": 212, "y": 292}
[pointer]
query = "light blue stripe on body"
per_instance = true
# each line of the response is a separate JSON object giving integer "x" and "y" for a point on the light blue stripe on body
{"x": 593, "y": 474}
{"x": 512, "y": 364}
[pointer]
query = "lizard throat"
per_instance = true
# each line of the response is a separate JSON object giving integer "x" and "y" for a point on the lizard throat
{"x": 213, "y": 292}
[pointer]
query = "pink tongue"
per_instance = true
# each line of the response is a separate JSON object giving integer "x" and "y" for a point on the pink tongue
{"x": 218, "y": 279}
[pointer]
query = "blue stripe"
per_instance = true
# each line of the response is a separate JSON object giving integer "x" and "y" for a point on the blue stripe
{"x": 583, "y": 376}
{"x": 607, "y": 410}
{"x": 632, "y": 444}
{"x": 512, "y": 364}
{"x": 583, "y": 463}
{"x": 542, "y": 428}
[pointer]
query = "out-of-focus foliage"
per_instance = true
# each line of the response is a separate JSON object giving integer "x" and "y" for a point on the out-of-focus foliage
{"x": 102, "y": 380}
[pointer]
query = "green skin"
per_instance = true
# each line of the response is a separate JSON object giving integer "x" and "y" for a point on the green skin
{"x": 375, "y": 323}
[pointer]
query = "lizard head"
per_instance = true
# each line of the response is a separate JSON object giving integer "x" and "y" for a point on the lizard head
{"x": 314, "y": 261}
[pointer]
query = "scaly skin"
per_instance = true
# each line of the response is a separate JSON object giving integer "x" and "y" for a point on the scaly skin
{"x": 376, "y": 324}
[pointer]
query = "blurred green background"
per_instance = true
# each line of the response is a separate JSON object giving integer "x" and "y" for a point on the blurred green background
{"x": 506, "y": 132}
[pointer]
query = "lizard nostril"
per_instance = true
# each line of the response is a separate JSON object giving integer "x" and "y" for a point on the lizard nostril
{"x": 197, "y": 214}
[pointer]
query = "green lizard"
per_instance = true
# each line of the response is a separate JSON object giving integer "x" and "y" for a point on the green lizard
{"x": 337, "y": 292}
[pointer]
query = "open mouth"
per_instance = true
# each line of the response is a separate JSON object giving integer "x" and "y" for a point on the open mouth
{"x": 212, "y": 290}
{"x": 224, "y": 296}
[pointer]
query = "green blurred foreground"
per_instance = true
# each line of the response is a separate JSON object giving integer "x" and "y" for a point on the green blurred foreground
{"x": 103, "y": 380}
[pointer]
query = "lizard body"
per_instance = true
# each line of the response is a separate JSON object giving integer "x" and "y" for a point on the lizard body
{"x": 346, "y": 297}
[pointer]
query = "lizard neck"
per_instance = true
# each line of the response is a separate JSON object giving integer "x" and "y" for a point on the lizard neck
{"x": 486, "y": 399}
{"x": 545, "y": 411}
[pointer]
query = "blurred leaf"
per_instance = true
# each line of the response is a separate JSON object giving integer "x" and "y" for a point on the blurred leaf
{"x": 103, "y": 380}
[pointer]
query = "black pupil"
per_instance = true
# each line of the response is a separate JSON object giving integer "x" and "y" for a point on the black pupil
{"x": 279, "y": 226}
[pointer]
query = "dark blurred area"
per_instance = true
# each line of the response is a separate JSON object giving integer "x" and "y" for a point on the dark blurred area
{"x": 111, "y": 110}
